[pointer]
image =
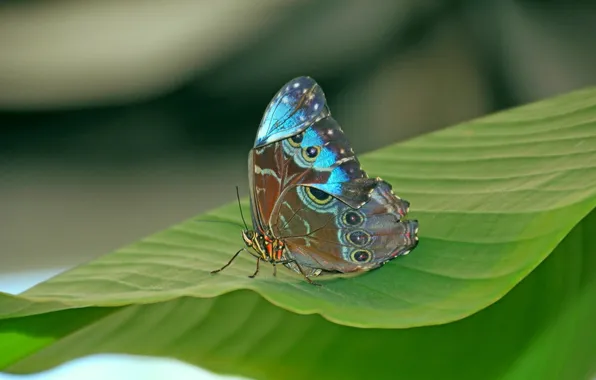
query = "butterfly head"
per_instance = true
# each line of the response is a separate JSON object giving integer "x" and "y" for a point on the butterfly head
{"x": 249, "y": 237}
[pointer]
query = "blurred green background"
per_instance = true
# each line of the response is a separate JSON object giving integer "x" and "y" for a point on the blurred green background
{"x": 121, "y": 117}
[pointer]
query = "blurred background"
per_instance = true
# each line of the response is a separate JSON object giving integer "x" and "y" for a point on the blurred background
{"x": 119, "y": 118}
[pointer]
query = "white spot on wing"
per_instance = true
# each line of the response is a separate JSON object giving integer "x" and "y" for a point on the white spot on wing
{"x": 296, "y": 85}
{"x": 342, "y": 160}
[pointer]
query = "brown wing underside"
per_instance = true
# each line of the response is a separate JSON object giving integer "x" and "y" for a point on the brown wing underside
{"x": 265, "y": 172}
{"x": 321, "y": 236}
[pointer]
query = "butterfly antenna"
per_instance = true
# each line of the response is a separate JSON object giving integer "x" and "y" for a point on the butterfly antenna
{"x": 240, "y": 207}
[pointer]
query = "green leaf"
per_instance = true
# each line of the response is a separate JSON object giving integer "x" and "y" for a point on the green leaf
{"x": 567, "y": 348}
{"x": 494, "y": 198}
{"x": 242, "y": 333}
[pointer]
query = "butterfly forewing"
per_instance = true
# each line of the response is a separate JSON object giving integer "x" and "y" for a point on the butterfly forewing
{"x": 298, "y": 104}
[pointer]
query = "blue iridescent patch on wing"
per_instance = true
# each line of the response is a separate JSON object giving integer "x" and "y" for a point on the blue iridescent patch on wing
{"x": 326, "y": 159}
{"x": 334, "y": 184}
{"x": 334, "y": 189}
{"x": 296, "y": 106}
{"x": 311, "y": 138}
{"x": 338, "y": 175}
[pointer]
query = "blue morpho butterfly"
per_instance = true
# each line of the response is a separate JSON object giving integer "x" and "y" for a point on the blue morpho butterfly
{"x": 314, "y": 209}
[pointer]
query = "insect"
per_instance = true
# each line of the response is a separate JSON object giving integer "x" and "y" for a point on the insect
{"x": 313, "y": 208}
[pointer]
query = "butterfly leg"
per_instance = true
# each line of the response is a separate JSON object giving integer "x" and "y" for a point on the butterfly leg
{"x": 305, "y": 276}
{"x": 257, "y": 271}
{"x": 299, "y": 268}
{"x": 229, "y": 262}
{"x": 274, "y": 270}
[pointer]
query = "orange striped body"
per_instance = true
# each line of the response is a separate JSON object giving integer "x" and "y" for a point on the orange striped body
{"x": 270, "y": 249}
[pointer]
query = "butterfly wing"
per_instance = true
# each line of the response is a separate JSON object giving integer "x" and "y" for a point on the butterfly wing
{"x": 298, "y": 104}
{"x": 321, "y": 232}
{"x": 319, "y": 157}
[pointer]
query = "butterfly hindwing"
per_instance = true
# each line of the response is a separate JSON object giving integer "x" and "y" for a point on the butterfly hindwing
{"x": 322, "y": 232}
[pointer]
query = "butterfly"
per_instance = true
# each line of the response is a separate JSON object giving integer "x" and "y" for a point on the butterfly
{"x": 314, "y": 210}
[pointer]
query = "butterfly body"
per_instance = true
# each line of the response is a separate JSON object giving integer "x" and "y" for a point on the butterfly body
{"x": 269, "y": 249}
{"x": 313, "y": 208}
{"x": 274, "y": 251}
